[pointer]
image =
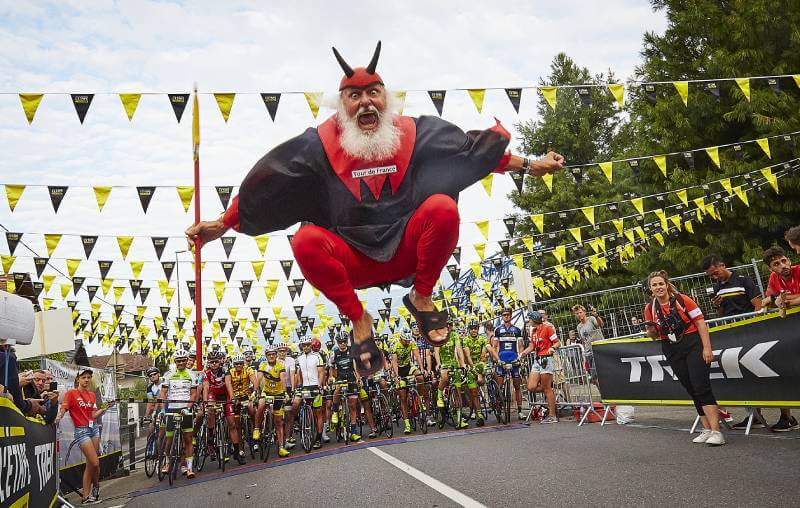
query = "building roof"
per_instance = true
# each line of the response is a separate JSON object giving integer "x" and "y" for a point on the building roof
{"x": 133, "y": 362}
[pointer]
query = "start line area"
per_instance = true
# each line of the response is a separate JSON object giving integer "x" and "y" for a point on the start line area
{"x": 648, "y": 462}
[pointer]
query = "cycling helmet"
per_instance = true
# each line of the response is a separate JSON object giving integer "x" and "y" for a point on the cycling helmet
{"x": 343, "y": 337}
{"x": 281, "y": 345}
{"x": 180, "y": 354}
{"x": 215, "y": 355}
{"x": 305, "y": 340}
{"x": 272, "y": 348}
{"x": 248, "y": 353}
{"x": 535, "y": 316}
{"x": 473, "y": 325}
{"x": 506, "y": 310}
{"x": 238, "y": 359}
{"x": 414, "y": 326}
{"x": 316, "y": 345}
{"x": 152, "y": 370}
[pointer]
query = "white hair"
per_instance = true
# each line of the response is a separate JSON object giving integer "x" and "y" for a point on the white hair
{"x": 376, "y": 145}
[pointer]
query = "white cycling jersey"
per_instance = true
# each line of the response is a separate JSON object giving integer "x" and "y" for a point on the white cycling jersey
{"x": 308, "y": 364}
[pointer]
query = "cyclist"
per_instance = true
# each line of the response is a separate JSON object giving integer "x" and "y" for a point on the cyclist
{"x": 310, "y": 373}
{"x": 508, "y": 337}
{"x": 402, "y": 353}
{"x": 217, "y": 387}
{"x": 450, "y": 358}
{"x": 475, "y": 355}
{"x": 272, "y": 383}
{"x": 179, "y": 385}
{"x": 544, "y": 341}
{"x": 243, "y": 382}
{"x": 289, "y": 363}
{"x": 250, "y": 360}
{"x": 152, "y": 393}
{"x": 343, "y": 369}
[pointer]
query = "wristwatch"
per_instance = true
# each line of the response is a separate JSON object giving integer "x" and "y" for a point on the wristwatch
{"x": 526, "y": 164}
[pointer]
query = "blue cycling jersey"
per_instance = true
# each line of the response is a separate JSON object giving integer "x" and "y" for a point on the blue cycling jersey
{"x": 507, "y": 337}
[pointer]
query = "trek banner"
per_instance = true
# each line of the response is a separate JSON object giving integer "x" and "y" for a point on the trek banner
{"x": 755, "y": 364}
{"x": 27, "y": 459}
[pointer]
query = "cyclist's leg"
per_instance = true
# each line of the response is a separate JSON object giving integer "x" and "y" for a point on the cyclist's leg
{"x": 352, "y": 402}
{"x": 444, "y": 378}
{"x": 291, "y": 415}
{"x": 364, "y": 398}
{"x": 187, "y": 426}
{"x": 317, "y": 411}
{"x": 277, "y": 418}
{"x": 517, "y": 388}
{"x": 262, "y": 407}
{"x": 169, "y": 425}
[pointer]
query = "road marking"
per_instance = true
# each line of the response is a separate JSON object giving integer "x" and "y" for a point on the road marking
{"x": 453, "y": 494}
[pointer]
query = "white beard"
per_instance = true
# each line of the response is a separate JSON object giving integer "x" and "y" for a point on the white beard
{"x": 377, "y": 145}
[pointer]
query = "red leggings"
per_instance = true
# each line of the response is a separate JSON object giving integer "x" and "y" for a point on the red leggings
{"x": 335, "y": 268}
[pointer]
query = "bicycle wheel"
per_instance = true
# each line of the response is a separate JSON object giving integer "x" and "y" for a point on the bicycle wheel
{"x": 163, "y": 458}
{"x": 221, "y": 442}
{"x": 507, "y": 395}
{"x": 495, "y": 399}
{"x": 247, "y": 434}
{"x": 306, "y": 428}
{"x": 200, "y": 449}
{"x": 151, "y": 454}
{"x": 422, "y": 416}
{"x": 454, "y": 407}
{"x": 266, "y": 436}
{"x": 175, "y": 459}
{"x": 388, "y": 426}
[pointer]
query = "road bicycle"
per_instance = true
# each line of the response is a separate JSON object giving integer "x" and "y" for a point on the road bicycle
{"x": 269, "y": 436}
{"x": 417, "y": 410}
{"x": 155, "y": 441}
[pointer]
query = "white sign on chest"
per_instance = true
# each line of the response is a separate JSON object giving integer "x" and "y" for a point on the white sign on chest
{"x": 380, "y": 170}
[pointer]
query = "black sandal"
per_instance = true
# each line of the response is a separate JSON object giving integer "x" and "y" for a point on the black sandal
{"x": 428, "y": 320}
{"x": 367, "y": 346}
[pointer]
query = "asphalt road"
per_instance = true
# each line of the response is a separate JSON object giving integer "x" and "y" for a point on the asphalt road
{"x": 653, "y": 463}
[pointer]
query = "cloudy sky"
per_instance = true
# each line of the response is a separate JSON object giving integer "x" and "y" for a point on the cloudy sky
{"x": 156, "y": 48}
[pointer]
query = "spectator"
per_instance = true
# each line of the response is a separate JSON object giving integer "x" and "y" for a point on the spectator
{"x": 590, "y": 329}
{"x": 81, "y": 403}
{"x": 678, "y": 322}
{"x": 9, "y": 379}
{"x": 38, "y": 389}
{"x": 793, "y": 237}
{"x": 733, "y": 294}
{"x": 783, "y": 290}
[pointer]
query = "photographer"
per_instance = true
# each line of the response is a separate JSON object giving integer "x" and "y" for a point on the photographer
{"x": 678, "y": 322}
{"x": 10, "y": 380}
{"x": 38, "y": 388}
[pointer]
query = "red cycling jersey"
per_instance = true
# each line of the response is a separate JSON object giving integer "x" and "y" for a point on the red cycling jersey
{"x": 216, "y": 383}
{"x": 544, "y": 337}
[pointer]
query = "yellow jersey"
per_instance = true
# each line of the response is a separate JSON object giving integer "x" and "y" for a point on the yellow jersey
{"x": 241, "y": 383}
{"x": 272, "y": 378}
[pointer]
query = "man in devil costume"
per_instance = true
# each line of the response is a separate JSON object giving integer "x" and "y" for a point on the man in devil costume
{"x": 376, "y": 193}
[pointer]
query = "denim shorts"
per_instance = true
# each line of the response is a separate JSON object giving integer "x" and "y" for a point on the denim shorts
{"x": 83, "y": 434}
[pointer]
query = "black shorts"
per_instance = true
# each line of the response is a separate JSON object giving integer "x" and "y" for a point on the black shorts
{"x": 175, "y": 416}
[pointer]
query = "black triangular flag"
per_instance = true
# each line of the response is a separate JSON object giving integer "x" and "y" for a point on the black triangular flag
{"x": 453, "y": 271}
{"x": 387, "y": 302}
{"x": 738, "y": 151}
{"x": 105, "y": 266}
{"x": 688, "y": 157}
{"x": 264, "y": 322}
{"x": 298, "y": 309}
{"x": 38, "y": 287}
{"x": 271, "y": 101}
{"x": 650, "y": 92}
{"x": 713, "y": 88}
{"x": 88, "y": 244}
{"x": 585, "y": 95}
{"x": 245, "y": 289}
{"x": 774, "y": 84}
{"x": 135, "y": 285}
{"x": 57, "y": 193}
{"x": 224, "y": 193}
{"x": 40, "y": 264}
{"x": 497, "y": 263}
{"x": 168, "y": 267}
{"x": 511, "y": 223}
{"x": 191, "y": 286}
{"x": 178, "y": 102}
{"x": 227, "y": 268}
{"x": 287, "y": 264}
{"x": 514, "y": 95}
{"x": 223, "y": 322}
{"x": 145, "y": 195}
{"x": 210, "y": 312}
{"x": 82, "y": 101}
{"x": 384, "y": 313}
{"x": 118, "y": 311}
{"x": 13, "y": 240}
{"x": 457, "y": 255}
{"x": 92, "y": 290}
{"x": 256, "y": 311}
{"x": 137, "y": 321}
{"x": 519, "y": 179}
{"x": 159, "y": 242}
{"x": 77, "y": 282}
{"x": 273, "y": 323}
{"x": 437, "y": 96}
{"x": 789, "y": 140}
{"x": 634, "y": 164}
{"x": 234, "y": 328}
{"x": 505, "y": 246}
{"x": 292, "y": 291}
{"x": 298, "y": 283}
{"x": 227, "y": 244}
{"x": 143, "y": 292}
{"x": 181, "y": 321}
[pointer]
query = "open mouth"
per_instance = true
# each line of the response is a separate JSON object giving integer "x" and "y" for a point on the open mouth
{"x": 368, "y": 120}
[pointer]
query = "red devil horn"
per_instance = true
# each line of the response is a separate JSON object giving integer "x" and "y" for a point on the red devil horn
{"x": 374, "y": 62}
{"x": 348, "y": 71}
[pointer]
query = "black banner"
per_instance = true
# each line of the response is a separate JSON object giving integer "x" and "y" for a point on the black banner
{"x": 82, "y": 101}
{"x": 88, "y": 244}
{"x": 755, "y": 364}
{"x": 178, "y": 102}
{"x": 271, "y": 101}
{"x": 104, "y": 266}
{"x": 437, "y": 97}
{"x": 168, "y": 266}
{"x": 159, "y": 242}
{"x": 145, "y": 195}
{"x": 57, "y": 193}
{"x": 227, "y": 244}
{"x": 27, "y": 459}
{"x": 224, "y": 193}
{"x": 514, "y": 95}
{"x": 13, "y": 240}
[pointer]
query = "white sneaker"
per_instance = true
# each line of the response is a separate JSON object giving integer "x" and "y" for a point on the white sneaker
{"x": 715, "y": 438}
{"x": 703, "y": 437}
{"x": 325, "y": 438}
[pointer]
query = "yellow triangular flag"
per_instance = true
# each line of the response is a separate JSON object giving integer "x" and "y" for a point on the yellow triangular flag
{"x": 744, "y": 84}
{"x": 549, "y": 94}
{"x": 641, "y": 233}
{"x": 538, "y": 221}
{"x": 661, "y": 162}
{"x": 713, "y": 153}
{"x": 547, "y": 178}
{"x": 683, "y": 90}
{"x": 48, "y": 282}
{"x": 136, "y": 268}
{"x": 185, "y": 193}
{"x": 638, "y": 203}
{"x": 618, "y": 224}
{"x": 764, "y": 144}
{"x": 130, "y": 101}
{"x": 629, "y": 235}
{"x": 72, "y": 266}
{"x": 663, "y": 218}
{"x": 261, "y": 242}
{"x": 742, "y": 195}
{"x": 560, "y": 253}
{"x": 486, "y": 181}
{"x": 124, "y": 243}
{"x": 477, "y": 96}
{"x": 683, "y": 196}
{"x": 676, "y": 219}
{"x": 608, "y": 170}
{"x": 528, "y": 241}
{"x": 13, "y": 193}
{"x": 7, "y": 262}
{"x": 118, "y": 291}
{"x": 258, "y": 267}
{"x": 314, "y": 100}
{"x": 400, "y": 100}
{"x": 219, "y": 289}
{"x": 52, "y": 242}
{"x": 480, "y": 248}
{"x": 688, "y": 226}
{"x": 30, "y": 103}
{"x": 271, "y": 288}
{"x": 700, "y": 203}
{"x": 106, "y": 284}
{"x": 772, "y": 179}
{"x": 48, "y": 303}
{"x": 659, "y": 238}
{"x": 483, "y": 227}
{"x": 101, "y": 194}
{"x": 618, "y": 91}
{"x": 225, "y": 103}
{"x": 517, "y": 260}
{"x": 796, "y": 79}
{"x": 576, "y": 234}
{"x": 726, "y": 184}
{"x": 588, "y": 212}
{"x": 476, "y": 268}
